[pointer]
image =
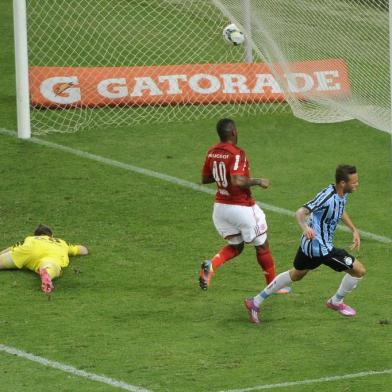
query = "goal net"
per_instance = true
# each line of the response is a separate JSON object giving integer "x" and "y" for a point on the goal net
{"x": 354, "y": 31}
{"x": 140, "y": 49}
{"x": 105, "y": 63}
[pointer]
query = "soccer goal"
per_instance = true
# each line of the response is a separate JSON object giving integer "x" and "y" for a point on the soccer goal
{"x": 82, "y": 64}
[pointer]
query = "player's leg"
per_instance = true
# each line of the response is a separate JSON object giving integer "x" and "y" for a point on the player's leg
{"x": 222, "y": 218}
{"x": 48, "y": 270}
{"x": 15, "y": 257}
{"x": 281, "y": 281}
{"x": 228, "y": 252}
{"x": 234, "y": 248}
{"x": 253, "y": 227}
{"x": 354, "y": 270}
{"x": 6, "y": 261}
{"x": 302, "y": 265}
{"x": 266, "y": 261}
{"x": 254, "y": 230}
{"x": 5, "y": 251}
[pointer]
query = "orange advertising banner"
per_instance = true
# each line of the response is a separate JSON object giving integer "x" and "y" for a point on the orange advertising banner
{"x": 54, "y": 87}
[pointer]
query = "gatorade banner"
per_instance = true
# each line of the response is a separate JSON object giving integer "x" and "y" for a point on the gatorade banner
{"x": 54, "y": 87}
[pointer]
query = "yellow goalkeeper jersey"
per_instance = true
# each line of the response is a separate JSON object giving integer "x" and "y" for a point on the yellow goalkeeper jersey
{"x": 35, "y": 249}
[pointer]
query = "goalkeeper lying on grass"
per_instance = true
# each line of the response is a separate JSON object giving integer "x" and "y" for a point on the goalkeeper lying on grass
{"x": 41, "y": 253}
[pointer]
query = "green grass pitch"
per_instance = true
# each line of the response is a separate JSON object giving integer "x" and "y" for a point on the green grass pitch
{"x": 135, "y": 312}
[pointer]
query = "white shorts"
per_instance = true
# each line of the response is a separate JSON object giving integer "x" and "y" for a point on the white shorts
{"x": 248, "y": 224}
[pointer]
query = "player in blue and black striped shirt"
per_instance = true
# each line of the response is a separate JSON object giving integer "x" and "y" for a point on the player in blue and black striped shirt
{"x": 326, "y": 209}
{"x": 318, "y": 220}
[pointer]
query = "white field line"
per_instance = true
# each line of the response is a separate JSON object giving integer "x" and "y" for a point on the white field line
{"x": 173, "y": 180}
{"x": 127, "y": 387}
{"x": 72, "y": 370}
{"x": 314, "y": 381}
{"x": 187, "y": 184}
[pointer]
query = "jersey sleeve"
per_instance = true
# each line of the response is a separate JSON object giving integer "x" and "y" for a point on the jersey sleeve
{"x": 319, "y": 201}
{"x": 239, "y": 165}
{"x": 73, "y": 250}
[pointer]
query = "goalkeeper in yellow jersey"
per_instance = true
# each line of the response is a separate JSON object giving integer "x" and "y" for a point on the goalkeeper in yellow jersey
{"x": 41, "y": 253}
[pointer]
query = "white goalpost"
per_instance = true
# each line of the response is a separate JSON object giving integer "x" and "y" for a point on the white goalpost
{"x": 82, "y": 64}
{"x": 21, "y": 69}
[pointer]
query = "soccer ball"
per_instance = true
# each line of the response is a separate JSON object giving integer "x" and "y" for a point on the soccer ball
{"x": 232, "y": 35}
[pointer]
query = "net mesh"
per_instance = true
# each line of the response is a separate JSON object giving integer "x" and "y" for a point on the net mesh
{"x": 121, "y": 33}
{"x": 356, "y": 31}
{"x": 125, "y": 33}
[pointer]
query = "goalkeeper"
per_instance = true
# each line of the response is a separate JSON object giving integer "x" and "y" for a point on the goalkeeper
{"x": 41, "y": 253}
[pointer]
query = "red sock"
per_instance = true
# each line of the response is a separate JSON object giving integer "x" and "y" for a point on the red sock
{"x": 266, "y": 261}
{"x": 225, "y": 254}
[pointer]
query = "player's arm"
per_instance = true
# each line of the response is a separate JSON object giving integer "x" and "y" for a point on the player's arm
{"x": 239, "y": 174}
{"x": 247, "y": 182}
{"x": 207, "y": 179}
{"x": 77, "y": 250}
{"x": 356, "y": 237}
{"x": 301, "y": 215}
{"x": 83, "y": 251}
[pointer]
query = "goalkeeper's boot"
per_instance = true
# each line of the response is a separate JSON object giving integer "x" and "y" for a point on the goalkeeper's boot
{"x": 342, "y": 308}
{"x": 205, "y": 274}
{"x": 46, "y": 281}
{"x": 253, "y": 311}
